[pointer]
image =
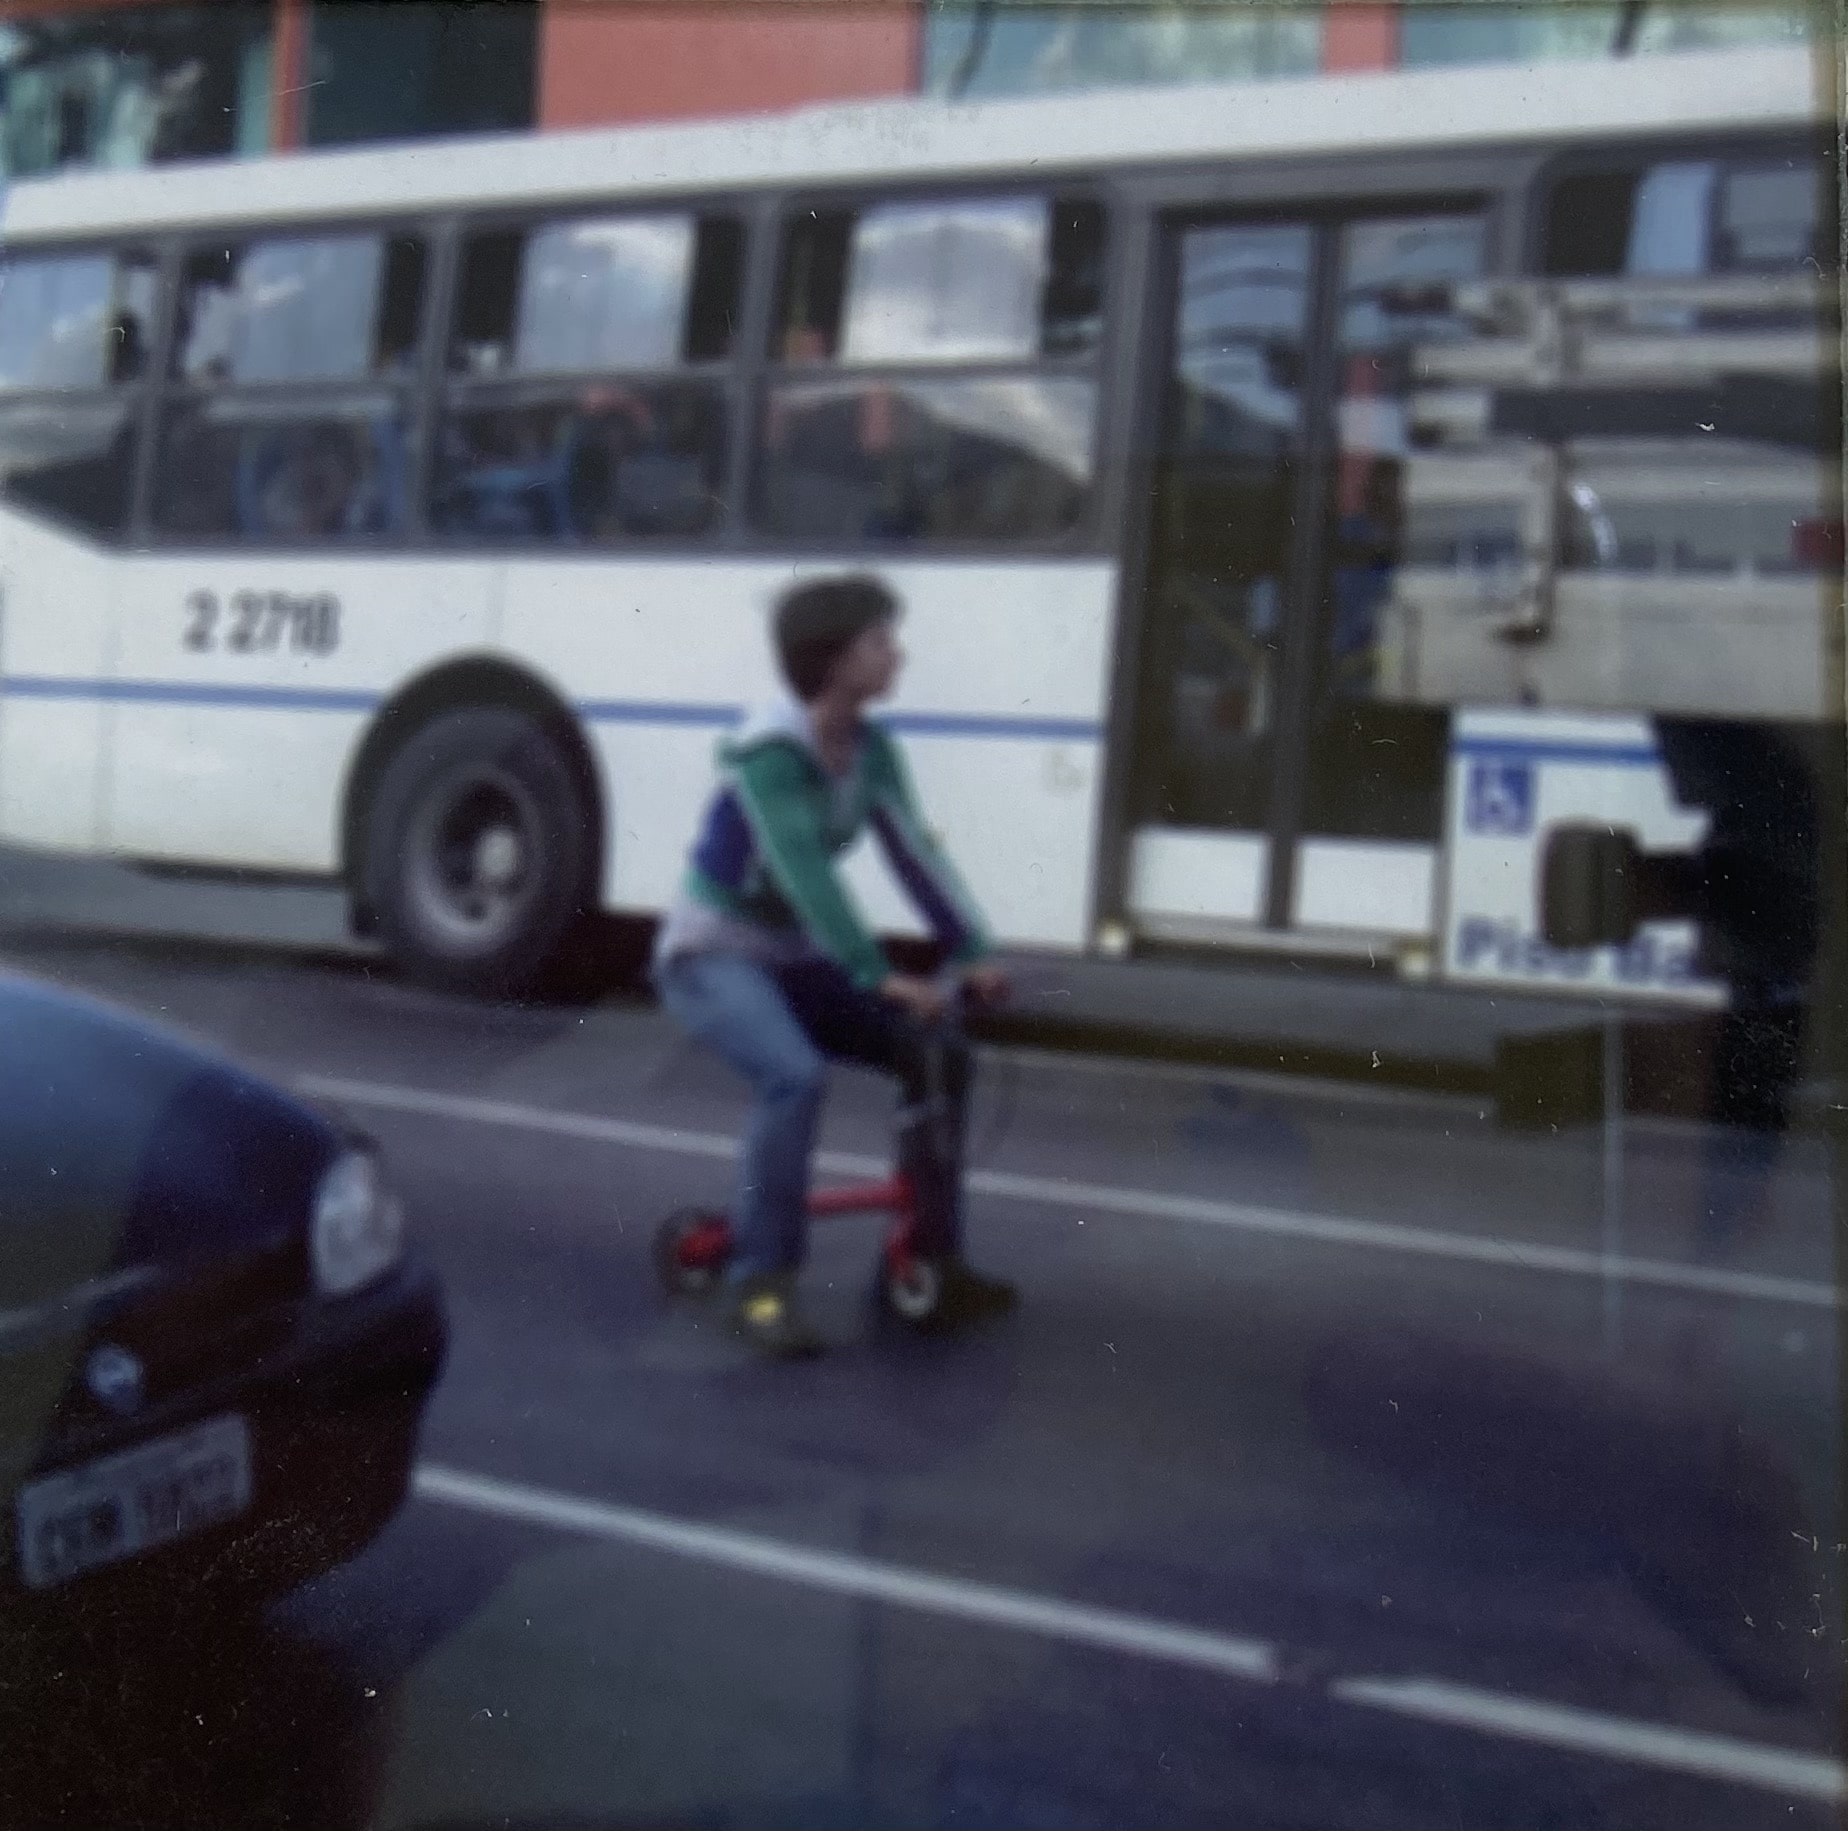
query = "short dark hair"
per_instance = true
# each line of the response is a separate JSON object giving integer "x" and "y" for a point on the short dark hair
{"x": 815, "y": 622}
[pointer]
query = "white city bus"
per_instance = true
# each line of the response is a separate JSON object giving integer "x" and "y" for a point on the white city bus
{"x": 1299, "y": 491}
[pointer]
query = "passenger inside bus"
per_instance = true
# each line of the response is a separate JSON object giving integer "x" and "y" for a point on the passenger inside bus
{"x": 912, "y": 460}
{"x": 933, "y": 383}
{"x": 310, "y": 483}
{"x": 612, "y": 461}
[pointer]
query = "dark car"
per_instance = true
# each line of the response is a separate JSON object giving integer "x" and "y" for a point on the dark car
{"x": 214, "y": 1351}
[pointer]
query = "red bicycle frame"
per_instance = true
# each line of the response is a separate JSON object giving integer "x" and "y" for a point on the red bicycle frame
{"x": 895, "y": 1195}
{"x": 708, "y": 1245}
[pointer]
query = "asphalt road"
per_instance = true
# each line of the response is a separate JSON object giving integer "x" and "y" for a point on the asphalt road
{"x": 1330, "y": 1475}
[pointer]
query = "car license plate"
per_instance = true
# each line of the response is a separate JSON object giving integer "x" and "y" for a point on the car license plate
{"x": 130, "y": 1502}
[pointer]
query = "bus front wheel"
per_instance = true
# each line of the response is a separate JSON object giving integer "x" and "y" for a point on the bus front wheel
{"x": 478, "y": 852}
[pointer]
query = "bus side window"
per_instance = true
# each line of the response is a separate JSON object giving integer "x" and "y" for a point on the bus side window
{"x": 864, "y": 434}
{"x": 284, "y": 416}
{"x": 585, "y": 399}
{"x": 75, "y": 329}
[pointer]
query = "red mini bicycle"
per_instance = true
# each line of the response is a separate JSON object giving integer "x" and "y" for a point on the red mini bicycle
{"x": 693, "y": 1245}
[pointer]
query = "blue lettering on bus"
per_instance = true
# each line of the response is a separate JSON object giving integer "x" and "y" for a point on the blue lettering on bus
{"x": 1488, "y": 943}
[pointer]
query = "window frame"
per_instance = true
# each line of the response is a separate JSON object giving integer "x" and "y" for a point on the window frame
{"x": 445, "y": 390}
{"x": 465, "y": 228}
{"x": 1637, "y": 155}
{"x": 171, "y": 393}
{"x": 137, "y": 396}
{"x": 1518, "y": 177}
{"x": 1089, "y": 534}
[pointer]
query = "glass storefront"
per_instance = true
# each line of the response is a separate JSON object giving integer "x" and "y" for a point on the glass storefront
{"x": 413, "y": 68}
{"x": 1511, "y": 31}
{"x": 1016, "y": 49}
{"x": 1023, "y": 47}
{"x": 119, "y": 86}
{"x": 125, "y": 86}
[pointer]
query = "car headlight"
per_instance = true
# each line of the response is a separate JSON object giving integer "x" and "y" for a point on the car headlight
{"x": 357, "y": 1231}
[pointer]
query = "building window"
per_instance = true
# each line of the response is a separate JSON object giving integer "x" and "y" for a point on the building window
{"x": 130, "y": 86}
{"x": 404, "y": 69}
{"x": 1512, "y": 31}
{"x": 1016, "y": 47}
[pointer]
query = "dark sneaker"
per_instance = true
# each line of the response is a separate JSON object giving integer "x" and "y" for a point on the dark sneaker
{"x": 971, "y": 1296}
{"x": 766, "y": 1315}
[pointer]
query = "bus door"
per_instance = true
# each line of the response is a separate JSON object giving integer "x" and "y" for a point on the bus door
{"x": 1278, "y": 782}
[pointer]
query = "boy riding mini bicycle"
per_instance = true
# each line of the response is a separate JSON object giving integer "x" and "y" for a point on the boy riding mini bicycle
{"x": 765, "y": 958}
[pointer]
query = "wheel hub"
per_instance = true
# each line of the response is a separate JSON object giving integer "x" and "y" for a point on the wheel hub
{"x": 500, "y": 858}
{"x": 470, "y": 863}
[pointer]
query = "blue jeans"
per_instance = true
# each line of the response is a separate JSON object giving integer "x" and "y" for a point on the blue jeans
{"x": 779, "y": 1027}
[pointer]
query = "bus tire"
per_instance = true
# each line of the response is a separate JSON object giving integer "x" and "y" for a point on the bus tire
{"x": 478, "y": 853}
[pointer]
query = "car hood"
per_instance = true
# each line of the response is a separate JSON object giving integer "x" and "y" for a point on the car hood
{"x": 123, "y": 1146}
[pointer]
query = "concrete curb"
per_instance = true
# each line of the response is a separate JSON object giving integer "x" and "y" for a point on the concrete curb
{"x": 1538, "y": 1079}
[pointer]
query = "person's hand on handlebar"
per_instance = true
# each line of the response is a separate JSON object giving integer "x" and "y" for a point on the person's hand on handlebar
{"x": 923, "y": 998}
{"x": 929, "y": 999}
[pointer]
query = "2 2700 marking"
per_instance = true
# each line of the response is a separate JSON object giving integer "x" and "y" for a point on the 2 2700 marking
{"x": 262, "y": 622}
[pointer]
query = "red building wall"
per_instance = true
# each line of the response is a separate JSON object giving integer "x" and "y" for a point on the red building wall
{"x": 1360, "y": 35}
{"x": 603, "y": 61}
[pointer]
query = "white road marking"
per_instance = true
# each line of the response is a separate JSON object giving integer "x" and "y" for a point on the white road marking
{"x": 591, "y": 1127}
{"x": 1100, "y": 1198}
{"x": 846, "y": 1574}
{"x": 1433, "y": 1242}
{"x": 1567, "y": 1728}
{"x": 1591, "y": 1732}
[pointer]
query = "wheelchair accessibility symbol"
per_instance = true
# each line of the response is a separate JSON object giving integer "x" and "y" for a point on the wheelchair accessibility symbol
{"x": 1498, "y": 797}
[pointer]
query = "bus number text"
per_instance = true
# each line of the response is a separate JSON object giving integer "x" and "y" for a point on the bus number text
{"x": 262, "y": 622}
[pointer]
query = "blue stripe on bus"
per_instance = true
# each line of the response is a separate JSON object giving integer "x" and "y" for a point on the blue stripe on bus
{"x": 189, "y": 693}
{"x": 1556, "y": 750}
{"x": 957, "y": 724}
{"x": 913, "y": 724}
{"x": 597, "y": 711}
{"x": 653, "y": 712}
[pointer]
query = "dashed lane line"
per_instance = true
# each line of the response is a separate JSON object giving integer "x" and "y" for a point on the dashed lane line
{"x": 1569, "y": 1729}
